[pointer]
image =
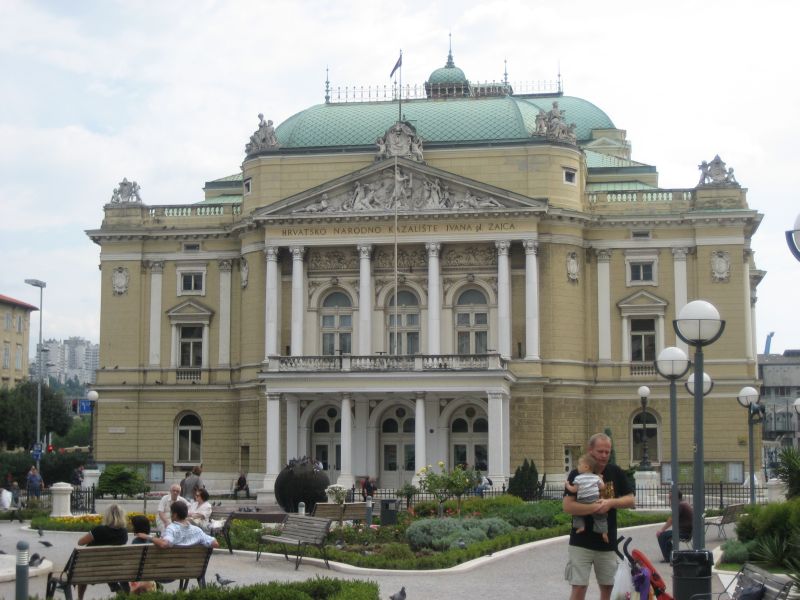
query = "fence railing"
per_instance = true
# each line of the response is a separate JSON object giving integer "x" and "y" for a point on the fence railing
{"x": 82, "y": 501}
{"x": 717, "y": 495}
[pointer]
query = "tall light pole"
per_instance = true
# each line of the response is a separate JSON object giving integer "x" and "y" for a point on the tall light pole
{"x": 41, "y": 285}
{"x": 749, "y": 398}
{"x": 797, "y": 410}
{"x": 92, "y": 397}
{"x": 698, "y": 324}
{"x": 644, "y": 464}
{"x": 672, "y": 364}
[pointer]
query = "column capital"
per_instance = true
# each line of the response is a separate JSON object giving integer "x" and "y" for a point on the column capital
{"x": 680, "y": 253}
{"x": 297, "y": 252}
{"x": 347, "y": 396}
{"x": 156, "y": 266}
{"x": 503, "y": 246}
{"x": 271, "y": 252}
{"x": 433, "y": 249}
{"x": 225, "y": 264}
{"x": 496, "y": 395}
{"x": 531, "y": 246}
{"x": 604, "y": 255}
{"x": 364, "y": 251}
{"x": 420, "y": 395}
{"x": 274, "y": 396}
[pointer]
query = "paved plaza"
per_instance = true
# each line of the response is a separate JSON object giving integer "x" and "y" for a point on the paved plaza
{"x": 530, "y": 571}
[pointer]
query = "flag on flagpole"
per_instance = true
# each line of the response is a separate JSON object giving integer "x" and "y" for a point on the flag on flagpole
{"x": 397, "y": 65}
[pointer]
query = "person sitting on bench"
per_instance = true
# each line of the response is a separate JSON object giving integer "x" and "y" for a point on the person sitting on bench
{"x": 664, "y": 535}
{"x": 180, "y": 532}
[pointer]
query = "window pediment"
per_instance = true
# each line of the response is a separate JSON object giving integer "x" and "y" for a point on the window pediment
{"x": 642, "y": 302}
{"x": 190, "y": 311}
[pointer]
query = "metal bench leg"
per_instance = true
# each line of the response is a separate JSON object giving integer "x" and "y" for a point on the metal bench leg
{"x": 299, "y": 558}
{"x": 324, "y": 551}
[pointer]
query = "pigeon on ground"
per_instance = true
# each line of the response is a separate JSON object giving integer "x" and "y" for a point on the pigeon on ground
{"x": 36, "y": 561}
{"x": 34, "y": 557}
{"x": 45, "y": 543}
{"x": 2, "y": 551}
{"x": 222, "y": 581}
{"x": 339, "y": 545}
{"x": 258, "y": 509}
{"x": 401, "y": 595}
{"x": 41, "y": 532}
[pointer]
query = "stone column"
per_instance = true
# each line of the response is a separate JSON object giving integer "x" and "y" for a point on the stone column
{"x": 273, "y": 458}
{"x": 346, "y": 472}
{"x": 292, "y": 423}
{"x": 679, "y": 269}
{"x": 298, "y": 300}
{"x": 365, "y": 300}
{"x": 531, "y": 300}
{"x": 206, "y": 351}
{"x": 420, "y": 428}
{"x": 503, "y": 299}
{"x": 225, "y": 269}
{"x": 748, "y": 307}
{"x": 434, "y": 298}
{"x": 499, "y": 441}
{"x": 156, "y": 283}
{"x": 272, "y": 299}
{"x": 360, "y": 466}
{"x": 604, "y": 305}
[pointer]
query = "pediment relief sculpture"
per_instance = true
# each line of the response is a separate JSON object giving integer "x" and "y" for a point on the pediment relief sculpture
{"x": 470, "y": 256}
{"x": 407, "y": 259}
{"x": 332, "y": 259}
{"x": 401, "y": 140}
{"x": 401, "y": 188}
{"x": 264, "y": 137}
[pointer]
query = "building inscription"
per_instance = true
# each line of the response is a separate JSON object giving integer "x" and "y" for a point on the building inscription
{"x": 345, "y": 230}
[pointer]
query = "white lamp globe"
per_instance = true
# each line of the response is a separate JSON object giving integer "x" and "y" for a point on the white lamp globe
{"x": 797, "y": 406}
{"x": 707, "y": 383}
{"x": 796, "y": 233}
{"x": 747, "y": 396}
{"x": 92, "y": 395}
{"x": 644, "y": 392}
{"x": 672, "y": 362}
{"x": 699, "y": 321}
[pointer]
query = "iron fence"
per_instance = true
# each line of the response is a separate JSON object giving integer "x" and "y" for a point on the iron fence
{"x": 41, "y": 500}
{"x": 81, "y": 501}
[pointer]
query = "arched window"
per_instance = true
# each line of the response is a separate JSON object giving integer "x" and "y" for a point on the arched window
{"x": 645, "y": 425}
{"x": 469, "y": 440}
{"x": 336, "y": 320}
{"x": 189, "y": 442}
{"x": 472, "y": 322}
{"x": 403, "y": 322}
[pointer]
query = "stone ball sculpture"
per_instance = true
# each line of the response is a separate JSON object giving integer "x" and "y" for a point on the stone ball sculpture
{"x": 301, "y": 481}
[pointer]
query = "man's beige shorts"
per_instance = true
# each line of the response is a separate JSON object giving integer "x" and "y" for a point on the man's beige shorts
{"x": 580, "y": 563}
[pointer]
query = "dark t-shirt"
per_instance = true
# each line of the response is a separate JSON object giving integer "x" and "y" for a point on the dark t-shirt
{"x": 103, "y": 535}
{"x": 617, "y": 485}
{"x": 685, "y": 516}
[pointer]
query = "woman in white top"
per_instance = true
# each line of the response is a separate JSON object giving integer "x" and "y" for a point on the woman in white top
{"x": 200, "y": 509}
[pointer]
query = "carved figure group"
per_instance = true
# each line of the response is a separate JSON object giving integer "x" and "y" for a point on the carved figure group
{"x": 264, "y": 137}
{"x": 552, "y": 124}
{"x": 127, "y": 191}
{"x": 471, "y": 201}
{"x": 715, "y": 173}
{"x": 400, "y": 139}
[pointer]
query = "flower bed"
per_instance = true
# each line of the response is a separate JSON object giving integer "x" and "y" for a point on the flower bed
{"x": 79, "y": 523}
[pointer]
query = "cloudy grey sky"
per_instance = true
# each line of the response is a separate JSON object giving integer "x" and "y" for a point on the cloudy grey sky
{"x": 167, "y": 93}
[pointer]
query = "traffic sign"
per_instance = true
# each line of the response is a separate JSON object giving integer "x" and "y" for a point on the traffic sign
{"x": 84, "y": 406}
{"x": 37, "y": 447}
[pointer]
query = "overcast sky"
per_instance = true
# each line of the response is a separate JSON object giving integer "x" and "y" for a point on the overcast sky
{"x": 167, "y": 93}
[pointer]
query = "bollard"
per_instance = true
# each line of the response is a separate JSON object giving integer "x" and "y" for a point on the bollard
{"x": 22, "y": 570}
{"x": 369, "y": 511}
{"x": 301, "y": 508}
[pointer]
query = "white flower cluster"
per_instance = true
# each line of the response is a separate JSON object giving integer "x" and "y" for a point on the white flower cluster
{"x": 336, "y": 493}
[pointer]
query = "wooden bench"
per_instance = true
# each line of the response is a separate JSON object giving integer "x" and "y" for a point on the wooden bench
{"x": 349, "y": 511}
{"x": 729, "y": 515}
{"x": 776, "y": 587}
{"x": 137, "y": 562}
{"x": 228, "y": 514}
{"x": 301, "y": 531}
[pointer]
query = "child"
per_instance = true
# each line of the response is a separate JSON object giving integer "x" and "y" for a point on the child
{"x": 141, "y": 524}
{"x": 588, "y": 486}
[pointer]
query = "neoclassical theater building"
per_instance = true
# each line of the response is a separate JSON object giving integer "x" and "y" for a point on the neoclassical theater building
{"x": 472, "y": 275}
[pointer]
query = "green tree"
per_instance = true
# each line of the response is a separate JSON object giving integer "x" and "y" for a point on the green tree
{"x": 79, "y": 434}
{"x": 788, "y": 471}
{"x": 525, "y": 482}
{"x": 18, "y": 407}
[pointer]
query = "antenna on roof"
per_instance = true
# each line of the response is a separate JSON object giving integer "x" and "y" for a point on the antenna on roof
{"x": 560, "y": 90}
{"x": 327, "y": 87}
{"x": 505, "y": 71}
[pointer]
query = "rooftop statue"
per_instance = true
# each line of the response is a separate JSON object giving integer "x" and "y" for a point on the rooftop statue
{"x": 400, "y": 139}
{"x": 715, "y": 173}
{"x": 553, "y": 125}
{"x": 127, "y": 191}
{"x": 264, "y": 137}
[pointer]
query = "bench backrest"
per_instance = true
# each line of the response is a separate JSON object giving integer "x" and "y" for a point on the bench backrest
{"x": 349, "y": 511}
{"x": 311, "y": 530}
{"x": 137, "y": 562}
{"x": 731, "y": 513}
{"x": 775, "y": 586}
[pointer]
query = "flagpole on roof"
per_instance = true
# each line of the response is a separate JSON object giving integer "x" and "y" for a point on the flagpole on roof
{"x": 399, "y": 65}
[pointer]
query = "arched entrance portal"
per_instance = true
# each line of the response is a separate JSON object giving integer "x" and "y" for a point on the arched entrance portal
{"x": 469, "y": 438}
{"x": 326, "y": 445}
{"x": 397, "y": 448}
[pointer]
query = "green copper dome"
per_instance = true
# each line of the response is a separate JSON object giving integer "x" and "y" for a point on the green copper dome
{"x": 454, "y": 121}
{"x": 448, "y": 74}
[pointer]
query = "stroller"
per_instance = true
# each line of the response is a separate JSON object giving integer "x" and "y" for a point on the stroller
{"x": 636, "y": 576}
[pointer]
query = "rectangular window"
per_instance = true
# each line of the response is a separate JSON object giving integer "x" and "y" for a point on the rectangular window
{"x": 192, "y": 282}
{"x": 480, "y": 342}
{"x": 191, "y": 247}
{"x": 328, "y": 344}
{"x": 344, "y": 343}
{"x": 481, "y": 457}
{"x": 408, "y": 456}
{"x": 459, "y": 454}
{"x": 6, "y": 355}
{"x": 329, "y": 321}
{"x": 641, "y": 271}
{"x": 463, "y": 342}
{"x": 9, "y": 321}
{"x": 18, "y": 358}
{"x": 481, "y": 318}
{"x": 191, "y": 346}
{"x": 390, "y": 457}
{"x": 570, "y": 176}
{"x": 640, "y": 235}
{"x": 248, "y": 186}
{"x": 189, "y": 445}
{"x": 643, "y": 340}
{"x": 412, "y": 342}
{"x": 462, "y": 320}
{"x": 19, "y": 323}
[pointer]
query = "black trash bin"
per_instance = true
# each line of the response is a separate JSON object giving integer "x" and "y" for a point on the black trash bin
{"x": 691, "y": 573}
{"x": 389, "y": 511}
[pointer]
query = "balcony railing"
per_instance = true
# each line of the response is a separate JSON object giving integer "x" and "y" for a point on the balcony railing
{"x": 187, "y": 375}
{"x": 643, "y": 370}
{"x": 384, "y": 363}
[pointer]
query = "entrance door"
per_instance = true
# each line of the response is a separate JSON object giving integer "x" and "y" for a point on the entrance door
{"x": 469, "y": 439}
{"x": 326, "y": 446}
{"x": 397, "y": 449}
{"x": 329, "y": 453}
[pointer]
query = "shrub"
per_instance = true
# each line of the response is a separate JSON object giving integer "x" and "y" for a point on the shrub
{"x": 734, "y": 551}
{"x": 788, "y": 471}
{"x": 300, "y": 481}
{"x": 446, "y": 484}
{"x": 120, "y": 480}
{"x": 525, "y": 482}
{"x": 440, "y": 534}
{"x": 319, "y": 588}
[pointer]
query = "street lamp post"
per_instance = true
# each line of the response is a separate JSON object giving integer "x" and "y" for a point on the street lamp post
{"x": 749, "y": 398}
{"x": 644, "y": 464}
{"x": 672, "y": 364}
{"x": 793, "y": 238}
{"x": 797, "y": 410}
{"x": 698, "y": 324}
{"x": 92, "y": 397}
{"x": 41, "y": 285}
